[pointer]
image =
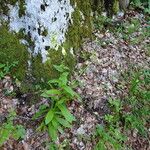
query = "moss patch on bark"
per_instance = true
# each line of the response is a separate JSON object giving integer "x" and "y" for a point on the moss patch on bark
{"x": 4, "y": 6}
{"x": 11, "y": 50}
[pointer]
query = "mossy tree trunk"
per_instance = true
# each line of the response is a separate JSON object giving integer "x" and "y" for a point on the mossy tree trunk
{"x": 33, "y": 30}
{"x": 109, "y": 6}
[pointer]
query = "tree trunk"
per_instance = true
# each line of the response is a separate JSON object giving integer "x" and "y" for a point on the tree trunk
{"x": 51, "y": 31}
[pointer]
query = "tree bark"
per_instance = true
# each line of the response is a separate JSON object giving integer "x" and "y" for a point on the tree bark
{"x": 52, "y": 32}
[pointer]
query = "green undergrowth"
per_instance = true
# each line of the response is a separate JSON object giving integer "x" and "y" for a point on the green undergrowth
{"x": 56, "y": 116}
{"x": 6, "y": 68}
{"x": 45, "y": 71}
{"x": 130, "y": 27}
{"x": 11, "y": 51}
{"x": 9, "y": 129}
{"x": 128, "y": 114}
{"x": 143, "y": 5}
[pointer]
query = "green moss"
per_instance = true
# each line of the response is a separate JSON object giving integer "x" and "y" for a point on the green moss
{"x": 45, "y": 71}
{"x": 11, "y": 50}
{"x": 82, "y": 24}
{"x": 4, "y": 6}
{"x": 115, "y": 7}
{"x": 74, "y": 38}
{"x": 21, "y": 35}
{"x": 42, "y": 72}
{"x": 22, "y": 8}
{"x": 110, "y": 6}
{"x": 97, "y": 6}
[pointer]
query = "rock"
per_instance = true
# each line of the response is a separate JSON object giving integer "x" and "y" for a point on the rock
{"x": 80, "y": 130}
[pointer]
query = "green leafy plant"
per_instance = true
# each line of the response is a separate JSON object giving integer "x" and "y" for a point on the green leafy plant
{"x": 5, "y": 68}
{"x": 110, "y": 135}
{"x": 142, "y": 4}
{"x": 138, "y": 102}
{"x": 132, "y": 113}
{"x": 57, "y": 116}
{"x": 61, "y": 146}
{"x": 109, "y": 138}
{"x": 8, "y": 129}
{"x": 101, "y": 22}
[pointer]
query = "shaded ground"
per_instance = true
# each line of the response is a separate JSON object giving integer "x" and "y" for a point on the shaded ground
{"x": 101, "y": 70}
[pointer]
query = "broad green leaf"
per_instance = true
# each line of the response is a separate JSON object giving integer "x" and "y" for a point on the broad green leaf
{"x": 63, "y": 122}
{"x": 100, "y": 129}
{"x": 2, "y": 65}
{"x": 50, "y": 93}
{"x": 4, "y": 134}
{"x": 61, "y": 68}
{"x": 61, "y": 101}
{"x": 57, "y": 125}
{"x": 45, "y": 95}
{"x": 65, "y": 112}
{"x": 69, "y": 90}
{"x": 52, "y": 132}
{"x": 42, "y": 110}
{"x": 52, "y": 146}
{"x": 53, "y": 91}
{"x": 6, "y": 69}
{"x": 2, "y": 74}
{"x": 39, "y": 113}
{"x": 19, "y": 132}
{"x": 49, "y": 116}
{"x": 63, "y": 78}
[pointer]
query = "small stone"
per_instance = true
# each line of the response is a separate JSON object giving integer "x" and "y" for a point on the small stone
{"x": 82, "y": 145}
{"x": 81, "y": 130}
{"x": 7, "y": 77}
{"x": 5, "y": 106}
{"x": 11, "y": 88}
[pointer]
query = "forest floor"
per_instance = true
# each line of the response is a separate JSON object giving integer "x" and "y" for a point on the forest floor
{"x": 103, "y": 71}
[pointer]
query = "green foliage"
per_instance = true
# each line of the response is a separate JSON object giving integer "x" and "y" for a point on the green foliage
{"x": 129, "y": 114}
{"x": 128, "y": 30}
{"x": 45, "y": 71}
{"x": 143, "y": 4}
{"x": 57, "y": 116}
{"x": 6, "y": 68}
{"x": 101, "y": 22}
{"x": 61, "y": 146}
{"x": 110, "y": 138}
{"x": 8, "y": 129}
{"x": 138, "y": 103}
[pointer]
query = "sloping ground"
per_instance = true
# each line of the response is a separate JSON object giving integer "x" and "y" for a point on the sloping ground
{"x": 101, "y": 72}
{"x": 112, "y": 56}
